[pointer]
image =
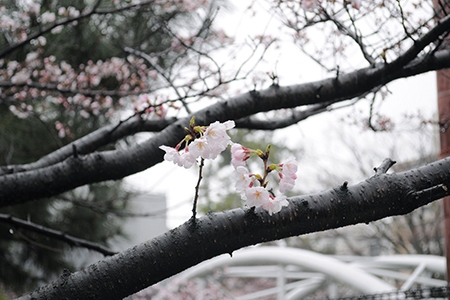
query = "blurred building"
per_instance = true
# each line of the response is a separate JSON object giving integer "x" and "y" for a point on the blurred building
{"x": 148, "y": 222}
{"x": 145, "y": 219}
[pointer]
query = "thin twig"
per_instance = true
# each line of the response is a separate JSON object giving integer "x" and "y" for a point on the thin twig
{"x": 369, "y": 121}
{"x": 160, "y": 70}
{"x": 197, "y": 187}
{"x": 71, "y": 240}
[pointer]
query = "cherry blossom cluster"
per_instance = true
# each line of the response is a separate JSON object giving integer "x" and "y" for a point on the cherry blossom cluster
{"x": 253, "y": 187}
{"x": 42, "y": 83}
{"x": 44, "y": 77}
{"x": 208, "y": 142}
{"x": 27, "y": 12}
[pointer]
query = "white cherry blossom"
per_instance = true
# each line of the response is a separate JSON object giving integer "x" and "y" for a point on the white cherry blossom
{"x": 187, "y": 159}
{"x": 183, "y": 159}
{"x": 287, "y": 175}
{"x": 208, "y": 146}
{"x": 244, "y": 179}
{"x": 256, "y": 196}
{"x": 172, "y": 154}
{"x": 275, "y": 204}
{"x": 200, "y": 147}
{"x": 286, "y": 184}
{"x": 217, "y": 138}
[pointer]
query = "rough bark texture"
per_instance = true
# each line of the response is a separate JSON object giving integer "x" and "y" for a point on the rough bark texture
{"x": 214, "y": 234}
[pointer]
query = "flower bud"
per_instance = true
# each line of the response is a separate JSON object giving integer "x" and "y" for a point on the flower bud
{"x": 268, "y": 150}
{"x": 192, "y": 122}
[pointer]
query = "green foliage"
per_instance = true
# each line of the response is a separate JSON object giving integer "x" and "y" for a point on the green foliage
{"x": 30, "y": 258}
{"x": 100, "y": 36}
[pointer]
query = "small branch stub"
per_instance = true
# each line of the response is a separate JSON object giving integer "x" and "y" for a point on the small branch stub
{"x": 439, "y": 190}
{"x": 385, "y": 166}
{"x": 344, "y": 186}
{"x": 74, "y": 151}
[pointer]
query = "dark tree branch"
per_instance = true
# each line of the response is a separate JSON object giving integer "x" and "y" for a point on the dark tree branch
{"x": 217, "y": 233}
{"x": 426, "y": 40}
{"x": 112, "y": 165}
{"x": 294, "y": 117}
{"x": 70, "y": 91}
{"x": 71, "y": 240}
{"x": 113, "y": 133}
{"x": 93, "y": 141}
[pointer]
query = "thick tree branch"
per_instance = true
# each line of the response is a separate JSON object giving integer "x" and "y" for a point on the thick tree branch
{"x": 113, "y": 133}
{"x": 292, "y": 118}
{"x": 217, "y": 233}
{"x": 93, "y": 141}
{"x": 427, "y": 39}
{"x": 112, "y": 165}
{"x": 71, "y": 240}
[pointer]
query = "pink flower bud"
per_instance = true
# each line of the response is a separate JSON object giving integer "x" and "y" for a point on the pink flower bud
{"x": 239, "y": 154}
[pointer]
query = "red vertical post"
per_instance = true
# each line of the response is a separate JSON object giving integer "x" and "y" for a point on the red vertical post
{"x": 443, "y": 87}
{"x": 443, "y": 90}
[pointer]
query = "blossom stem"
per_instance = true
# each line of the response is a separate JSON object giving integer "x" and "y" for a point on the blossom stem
{"x": 197, "y": 187}
{"x": 266, "y": 169}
